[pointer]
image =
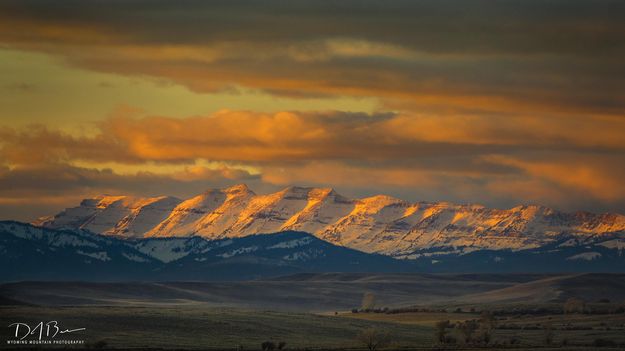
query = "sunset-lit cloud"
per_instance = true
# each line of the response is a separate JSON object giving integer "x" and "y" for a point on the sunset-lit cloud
{"x": 476, "y": 101}
{"x": 251, "y": 137}
{"x": 454, "y": 158}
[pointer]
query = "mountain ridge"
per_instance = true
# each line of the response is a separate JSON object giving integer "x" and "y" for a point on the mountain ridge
{"x": 28, "y": 252}
{"x": 376, "y": 224}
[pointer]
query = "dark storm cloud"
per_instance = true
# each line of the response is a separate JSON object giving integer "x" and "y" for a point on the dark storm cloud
{"x": 563, "y": 55}
{"x": 62, "y": 179}
{"x": 530, "y": 26}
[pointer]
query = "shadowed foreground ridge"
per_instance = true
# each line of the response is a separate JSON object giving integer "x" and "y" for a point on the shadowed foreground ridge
{"x": 36, "y": 253}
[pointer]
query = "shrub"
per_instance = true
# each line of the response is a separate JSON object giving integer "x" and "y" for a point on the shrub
{"x": 467, "y": 329}
{"x": 574, "y": 305}
{"x": 549, "y": 335}
{"x": 450, "y": 340}
{"x": 268, "y": 346}
{"x": 101, "y": 344}
{"x": 603, "y": 343}
{"x": 486, "y": 337}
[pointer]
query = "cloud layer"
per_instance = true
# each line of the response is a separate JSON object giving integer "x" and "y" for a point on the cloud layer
{"x": 462, "y": 158}
{"x": 497, "y": 102}
{"x": 562, "y": 56}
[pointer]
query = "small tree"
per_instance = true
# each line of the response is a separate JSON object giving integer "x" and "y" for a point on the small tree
{"x": 440, "y": 332}
{"x": 486, "y": 325}
{"x": 368, "y": 301}
{"x": 486, "y": 336}
{"x": 373, "y": 339}
{"x": 487, "y": 320}
{"x": 281, "y": 345}
{"x": 467, "y": 329}
{"x": 549, "y": 334}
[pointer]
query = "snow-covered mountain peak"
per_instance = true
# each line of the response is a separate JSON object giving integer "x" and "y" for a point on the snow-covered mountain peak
{"x": 299, "y": 193}
{"x": 376, "y": 203}
{"x": 238, "y": 189}
{"x": 529, "y": 212}
{"x": 321, "y": 193}
{"x": 380, "y": 223}
{"x": 114, "y": 215}
{"x": 202, "y": 201}
{"x": 104, "y": 201}
{"x": 125, "y": 201}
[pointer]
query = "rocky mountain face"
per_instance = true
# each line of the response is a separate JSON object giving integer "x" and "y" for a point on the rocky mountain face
{"x": 377, "y": 224}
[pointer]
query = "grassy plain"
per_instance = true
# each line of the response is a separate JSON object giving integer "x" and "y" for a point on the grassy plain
{"x": 209, "y": 328}
{"x": 314, "y": 311}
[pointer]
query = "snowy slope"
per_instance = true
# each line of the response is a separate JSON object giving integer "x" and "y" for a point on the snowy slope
{"x": 114, "y": 215}
{"x": 377, "y": 224}
{"x": 184, "y": 218}
{"x": 34, "y": 253}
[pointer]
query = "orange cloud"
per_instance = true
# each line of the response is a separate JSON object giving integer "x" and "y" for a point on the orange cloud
{"x": 492, "y": 104}
{"x": 29, "y": 191}
{"x": 244, "y": 136}
{"x": 39, "y": 144}
{"x": 567, "y": 163}
{"x": 293, "y": 136}
{"x": 565, "y": 185}
{"x": 600, "y": 176}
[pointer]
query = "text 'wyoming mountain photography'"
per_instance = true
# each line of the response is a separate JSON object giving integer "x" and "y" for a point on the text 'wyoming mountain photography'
{"x": 312, "y": 175}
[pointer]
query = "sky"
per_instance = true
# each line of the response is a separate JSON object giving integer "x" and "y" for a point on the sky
{"x": 492, "y": 102}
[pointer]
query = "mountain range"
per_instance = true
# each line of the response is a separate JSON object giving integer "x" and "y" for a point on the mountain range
{"x": 378, "y": 224}
{"x": 34, "y": 253}
{"x": 30, "y": 253}
{"x": 235, "y": 234}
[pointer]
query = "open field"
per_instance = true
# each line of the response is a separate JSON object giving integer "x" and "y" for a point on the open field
{"x": 329, "y": 292}
{"x": 204, "y": 327}
{"x": 425, "y": 319}
{"x": 302, "y": 292}
{"x": 315, "y": 311}
{"x": 198, "y": 327}
{"x": 515, "y": 330}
